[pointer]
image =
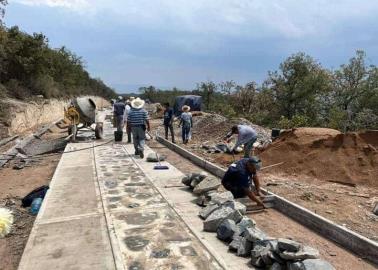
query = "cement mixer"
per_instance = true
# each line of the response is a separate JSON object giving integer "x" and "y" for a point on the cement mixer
{"x": 81, "y": 113}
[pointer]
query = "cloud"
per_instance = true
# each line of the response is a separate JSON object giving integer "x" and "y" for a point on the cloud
{"x": 76, "y": 5}
{"x": 250, "y": 18}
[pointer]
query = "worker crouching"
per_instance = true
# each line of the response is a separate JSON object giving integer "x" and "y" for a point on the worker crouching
{"x": 241, "y": 179}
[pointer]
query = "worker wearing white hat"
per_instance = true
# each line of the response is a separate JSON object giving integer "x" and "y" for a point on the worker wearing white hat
{"x": 138, "y": 122}
{"x": 127, "y": 110}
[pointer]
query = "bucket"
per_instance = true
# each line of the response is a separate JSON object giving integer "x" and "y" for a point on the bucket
{"x": 118, "y": 136}
{"x": 275, "y": 133}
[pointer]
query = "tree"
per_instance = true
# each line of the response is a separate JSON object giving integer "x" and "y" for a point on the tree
{"x": 207, "y": 90}
{"x": 298, "y": 85}
{"x": 245, "y": 97}
{"x": 3, "y": 3}
{"x": 349, "y": 83}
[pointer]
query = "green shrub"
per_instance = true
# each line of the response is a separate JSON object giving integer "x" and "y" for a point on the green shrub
{"x": 296, "y": 121}
{"x": 366, "y": 119}
{"x": 337, "y": 119}
{"x": 17, "y": 90}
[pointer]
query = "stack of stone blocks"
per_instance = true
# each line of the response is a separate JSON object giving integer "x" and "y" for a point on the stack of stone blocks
{"x": 226, "y": 217}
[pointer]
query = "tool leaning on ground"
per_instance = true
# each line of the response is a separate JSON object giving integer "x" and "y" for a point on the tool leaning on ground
{"x": 159, "y": 166}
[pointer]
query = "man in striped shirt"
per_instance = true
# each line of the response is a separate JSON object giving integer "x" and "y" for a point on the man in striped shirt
{"x": 138, "y": 122}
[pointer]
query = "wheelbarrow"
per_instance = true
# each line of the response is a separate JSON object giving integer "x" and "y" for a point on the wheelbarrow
{"x": 80, "y": 114}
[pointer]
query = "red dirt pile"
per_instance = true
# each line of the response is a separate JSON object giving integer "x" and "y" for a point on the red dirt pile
{"x": 326, "y": 154}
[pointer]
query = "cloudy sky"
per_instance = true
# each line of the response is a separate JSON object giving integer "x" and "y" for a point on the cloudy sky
{"x": 166, "y": 43}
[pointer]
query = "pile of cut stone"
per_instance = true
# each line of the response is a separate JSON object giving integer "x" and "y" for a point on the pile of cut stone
{"x": 225, "y": 216}
{"x": 201, "y": 183}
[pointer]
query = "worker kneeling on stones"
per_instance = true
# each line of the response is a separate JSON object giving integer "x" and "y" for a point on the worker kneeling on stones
{"x": 238, "y": 178}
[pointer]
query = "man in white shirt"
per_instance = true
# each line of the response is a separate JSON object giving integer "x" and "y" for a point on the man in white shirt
{"x": 125, "y": 114}
{"x": 246, "y": 135}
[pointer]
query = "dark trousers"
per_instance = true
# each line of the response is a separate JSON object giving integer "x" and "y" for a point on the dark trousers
{"x": 185, "y": 133}
{"x": 128, "y": 135}
{"x": 230, "y": 183}
{"x": 170, "y": 127}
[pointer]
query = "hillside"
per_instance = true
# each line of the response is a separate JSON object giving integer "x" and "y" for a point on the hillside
{"x": 30, "y": 67}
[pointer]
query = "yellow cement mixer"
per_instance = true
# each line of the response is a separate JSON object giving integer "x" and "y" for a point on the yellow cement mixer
{"x": 81, "y": 113}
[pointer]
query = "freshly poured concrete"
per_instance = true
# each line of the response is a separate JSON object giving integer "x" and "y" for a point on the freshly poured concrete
{"x": 70, "y": 231}
{"x": 103, "y": 212}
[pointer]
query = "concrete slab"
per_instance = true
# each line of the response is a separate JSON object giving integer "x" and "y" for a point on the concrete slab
{"x": 72, "y": 244}
{"x": 70, "y": 231}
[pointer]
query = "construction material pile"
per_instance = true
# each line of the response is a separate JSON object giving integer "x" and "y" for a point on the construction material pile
{"x": 326, "y": 154}
{"x": 226, "y": 217}
{"x": 215, "y": 126}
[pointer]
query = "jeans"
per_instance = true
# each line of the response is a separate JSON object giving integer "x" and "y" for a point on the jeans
{"x": 248, "y": 147}
{"x": 139, "y": 137}
{"x": 170, "y": 127}
{"x": 185, "y": 133}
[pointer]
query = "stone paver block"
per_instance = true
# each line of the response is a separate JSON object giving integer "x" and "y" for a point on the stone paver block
{"x": 215, "y": 218}
{"x": 245, "y": 223}
{"x": 226, "y": 230}
{"x": 245, "y": 247}
{"x": 311, "y": 264}
{"x": 206, "y": 185}
{"x": 304, "y": 253}
{"x": 254, "y": 234}
{"x": 288, "y": 245}
{"x": 221, "y": 198}
{"x": 205, "y": 212}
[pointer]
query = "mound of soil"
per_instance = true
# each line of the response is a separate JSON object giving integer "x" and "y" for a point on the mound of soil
{"x": 326, "y": 154}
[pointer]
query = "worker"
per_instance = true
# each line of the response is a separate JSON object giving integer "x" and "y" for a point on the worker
{"x": 168, "y": 121}
{"x": 237, "y": 179}
{"x": 186, "y": 121}
{"x": 127, "y": 110}
{"x": 118, "y": 111}
{"x": 138, "y": 122}
{"x": 246, "y": 136}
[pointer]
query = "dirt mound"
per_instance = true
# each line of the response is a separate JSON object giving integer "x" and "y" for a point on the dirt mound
{"x": 326, "y": 154}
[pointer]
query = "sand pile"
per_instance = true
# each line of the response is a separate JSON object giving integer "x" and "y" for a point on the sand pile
{"x": 326, "y": 154}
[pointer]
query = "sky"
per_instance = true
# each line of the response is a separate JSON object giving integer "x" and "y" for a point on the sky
{"x": 167, "y": 43}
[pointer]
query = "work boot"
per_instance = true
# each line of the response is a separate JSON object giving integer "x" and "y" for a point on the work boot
{"x": 141, "y": 154}
{"x": 136, "y": 152}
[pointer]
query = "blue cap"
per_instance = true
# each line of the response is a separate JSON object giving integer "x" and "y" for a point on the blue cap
{"x": 256, "y": 161}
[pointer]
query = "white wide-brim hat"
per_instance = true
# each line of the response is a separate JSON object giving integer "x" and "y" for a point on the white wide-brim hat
{"x": 185, "y": 108}
{"x": 137, "y": 103}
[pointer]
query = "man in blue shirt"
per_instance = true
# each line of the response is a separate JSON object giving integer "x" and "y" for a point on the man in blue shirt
{"x": 138, "y": 122}
{"x": 246, "y": 135}
{"x": 168, "y": 121}
{"x": 238, "y": 178}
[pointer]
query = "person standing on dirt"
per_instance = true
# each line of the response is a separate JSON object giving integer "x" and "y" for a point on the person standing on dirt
{"x": 168, "y": 121}
{"x": 127, "y": 110}
{"x": 186, "y": 121}
{"x": 138, "y": 122}
{"x": 246, "y": 135}
{"x": 118, "y": 111}
{"x": 237, "y": 179}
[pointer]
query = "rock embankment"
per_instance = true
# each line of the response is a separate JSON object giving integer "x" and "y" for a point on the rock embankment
{"x": 19, "y": 117}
